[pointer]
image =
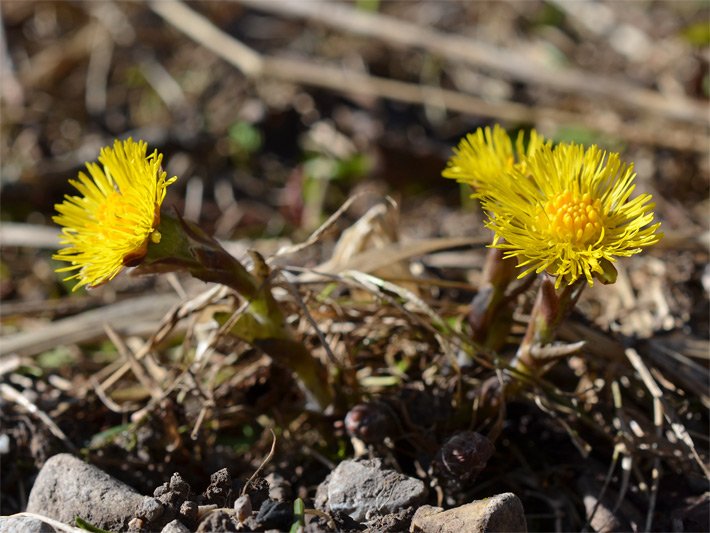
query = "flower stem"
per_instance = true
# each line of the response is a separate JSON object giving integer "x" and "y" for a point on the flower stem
{"x": 548, "y": 312}
{"x": 182, "y": 245}
{"x": 491, "y": 311}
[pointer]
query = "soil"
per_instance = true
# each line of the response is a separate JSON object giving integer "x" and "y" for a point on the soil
{"x": 154, "y": 399}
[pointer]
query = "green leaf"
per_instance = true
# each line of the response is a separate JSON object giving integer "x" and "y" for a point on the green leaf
{"x": 697, "y": 34}
{"x": 371, "y": 6}
{"x": 245, "y": 136}
{"x": 83, "y": 524}
{"x": 298, "y": 513}
{"x": 59, "y": 357}
{"x": 101, "y": 439}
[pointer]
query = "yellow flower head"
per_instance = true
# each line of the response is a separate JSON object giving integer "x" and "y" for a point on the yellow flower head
{"x": 484, "y": 156}
{"x": 570, "y": 214}
{"x": 108, "y": 226}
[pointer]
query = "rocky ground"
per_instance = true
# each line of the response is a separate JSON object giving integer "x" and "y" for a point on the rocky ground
{"x": 124, "y": 408}
{"x": 357, "y": 495}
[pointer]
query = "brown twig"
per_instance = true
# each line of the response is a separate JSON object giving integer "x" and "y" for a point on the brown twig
{"x": 87, "y": 326}
{"x": 11, "y": 394}
{"x": 305, "y": 72}
{"x": 510, "y": 63}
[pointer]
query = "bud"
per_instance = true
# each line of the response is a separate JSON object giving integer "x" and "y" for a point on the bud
{"x": 372, "y": 422}
{"x": 462, "y": 458}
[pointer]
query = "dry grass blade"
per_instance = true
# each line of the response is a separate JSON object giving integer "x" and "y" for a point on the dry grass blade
{"x": 674, "y": 357}
{"x": 318, "y": 233}
{"x": 56, "y": 524}
{"x": 621, "y": 449}
{"x": 168, "y": 324}
{"x": 510, "y": 63}
{"x": 380, "y": 286}
{"x": 555, "y": 351}
{"x": 206, "y": 406}
{"x": 28, "y": 235}
{"x": 146, "y": 379}
{"x": 447, "y": 337}
{"x": 662, "y": 409}
{"x": 604, "y": 487}
{"x": 583, "y": 447}
{"x": 11, "y": 394}
{"x": 11, "y": 363}
{"x": 309, "y": 317}
{"x": 372, "y": 260}
{"x": 438, "y": 326}
{"x": 375, "y": 230}
{"x": 202, "y": 31}
{"x": 262, "y": 465}
{"x": 107, "y": 401}
{"x": 88, "y": 326}
{"x": 309, "y": 73}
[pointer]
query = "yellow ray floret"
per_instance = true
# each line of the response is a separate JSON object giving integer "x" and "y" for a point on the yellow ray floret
{"x": 570, "y": 213}
{"x": 109, "y": 224}
{"x": 487, "y": 154}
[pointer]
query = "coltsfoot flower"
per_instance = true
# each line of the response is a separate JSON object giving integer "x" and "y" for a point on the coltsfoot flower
{"x": 109, "y": 224}
{"x": 487, "y": 154}
{"x": 569, "y": 213}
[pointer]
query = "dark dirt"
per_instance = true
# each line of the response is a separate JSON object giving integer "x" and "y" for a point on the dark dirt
{"x": 262, "y": 162}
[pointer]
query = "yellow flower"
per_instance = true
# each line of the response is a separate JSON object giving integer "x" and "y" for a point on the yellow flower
{"x": 484, "y": 156}
{"x": 570, "y": 214}
{"x": 108, "y": 226}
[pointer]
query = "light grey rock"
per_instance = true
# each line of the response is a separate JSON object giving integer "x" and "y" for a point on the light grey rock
{"x": 24, "y": 524}
{"x": 364, "y": 489}
{"x": 175, "y": 527}
{"x": 391, "y": 523}
{"x": 279, "y": 488}
{"x": 242, "y": 506}
{"x": 426, "y": 511}
{"x": 150, "y": 509}
{"x": 499, "y": 514}
{"x": 67, "y": 487}
{"x": 603, "y": 514}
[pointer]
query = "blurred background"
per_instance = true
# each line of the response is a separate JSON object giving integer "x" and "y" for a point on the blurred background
{"x": 274, "y": 113}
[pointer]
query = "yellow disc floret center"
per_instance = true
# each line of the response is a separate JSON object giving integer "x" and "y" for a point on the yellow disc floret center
{"x": 573, "y": 219}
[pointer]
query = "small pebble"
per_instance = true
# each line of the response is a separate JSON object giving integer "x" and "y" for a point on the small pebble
{"x": 366, "y": 489}
{"x": 275, "y": 515}
{"x": 179, "y": 485}
{"x": 175, "y": 527}
{"x": 189, "y": 513}
{"x": 150, "y": 509}
{"x": 242, "y": 506}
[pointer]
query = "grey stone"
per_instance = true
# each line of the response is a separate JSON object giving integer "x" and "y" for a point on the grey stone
{"x": 150, "y": 509}
{"x": 24, "y": 524}
{"x": 364, "y": 489}
{"x": 603, "y": 514}
{"x": 499, "y": 514}
{"x": 189, "y": 512}
{"x": 175, "y": 527}
{"x": 279, "y": 488}
{"x": 67, "y": 487}
{"x": 392, "y": 522}
{"x": 242, "y": 506}
{"x": 425, "y": 511}
{"x": 218, "y": 520}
